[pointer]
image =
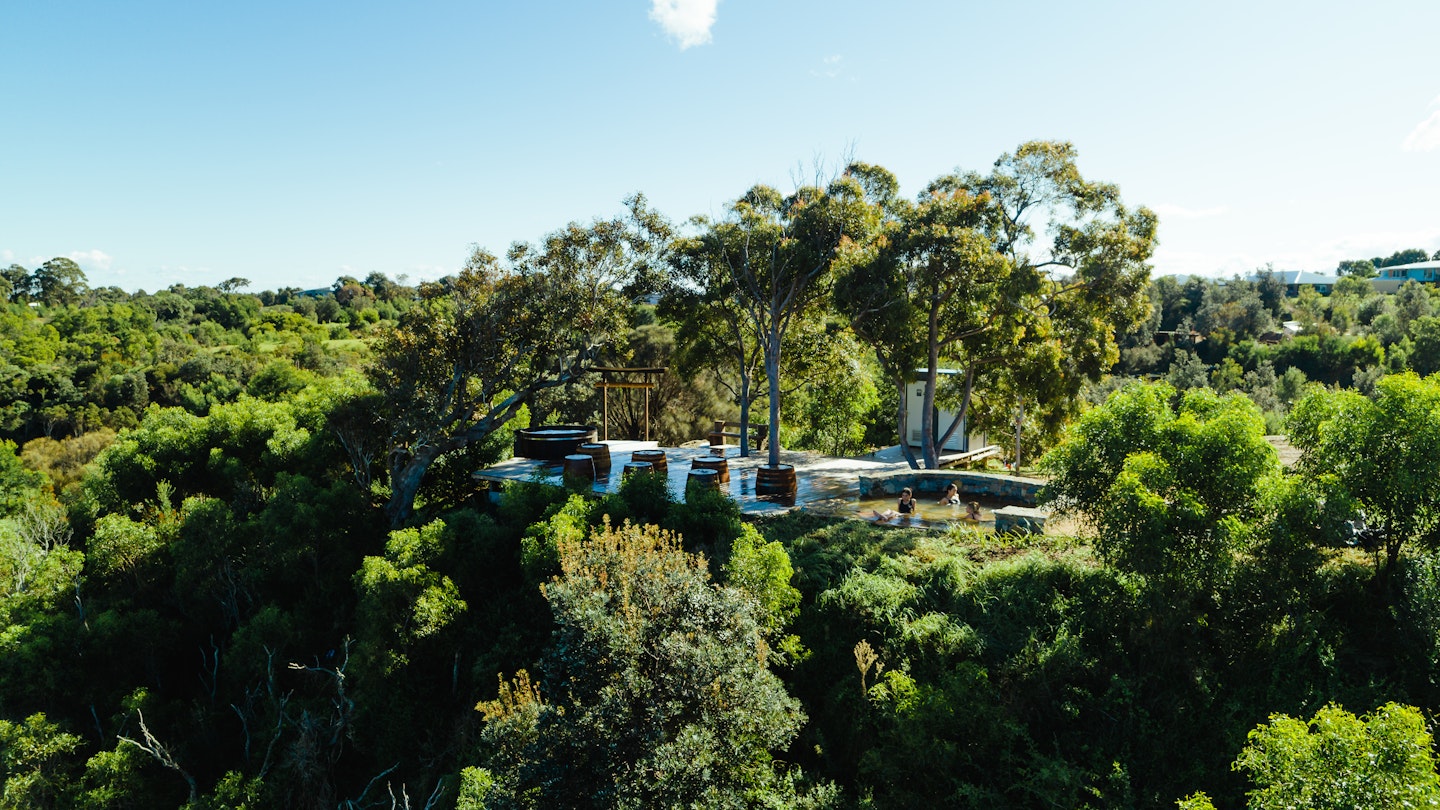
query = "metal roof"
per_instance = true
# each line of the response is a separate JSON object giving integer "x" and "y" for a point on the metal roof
{"x": 1429, "y": 265}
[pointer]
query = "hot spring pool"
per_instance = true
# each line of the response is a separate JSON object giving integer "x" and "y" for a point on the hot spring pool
{"x": 929, "y": 514}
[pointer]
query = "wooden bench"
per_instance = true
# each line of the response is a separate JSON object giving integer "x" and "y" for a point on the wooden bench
{"x": 956, "y": 459}
{"x": 731, "y": 430}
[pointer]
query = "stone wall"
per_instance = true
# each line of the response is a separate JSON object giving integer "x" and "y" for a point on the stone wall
{"x": 1008, "y": 488}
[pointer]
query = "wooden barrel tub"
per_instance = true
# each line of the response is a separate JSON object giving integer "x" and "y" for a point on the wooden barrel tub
{"x": 601, "y": 455}
{"x": 776, "y": 480}
{"x": 718, "y": 464}
{"x": 580, "y": 466}
{"x": 551, "y": 442}
{"x": 702, "y": 479}
{"x": 655, "y": 457}
{"x": 633, "y": 467}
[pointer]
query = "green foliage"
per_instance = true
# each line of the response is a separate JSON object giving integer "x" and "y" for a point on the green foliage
{"x": 655, "y": 690}
{"x": 402, "y": 600}
{"x": 121, "y": 545}
{"x": 641, "y": 498}
{"x": 830, "y": 413}
{"x": 540, "y": 547}
{"x": 1165, "y": 489}
{"x": 1418, "y": 615}
{"x": 36, "y": 756}
{"x": 18, "y": 485}
{"x": 59, "y": 281}
{"x": 763, "y": 571}
{"x": 1381, "y": 451}
{"x": 1425, "y": 357}
{"x": 276, "y": 380}
{"x": 1195, "y": 801}
{"x": 113, "y": 780}
{"x": 1337, "y": 760}
{"x": 1187, "y": 371}
{"x": 475, "y": 787}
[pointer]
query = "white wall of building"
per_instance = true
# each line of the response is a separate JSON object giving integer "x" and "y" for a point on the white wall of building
{"x": 914, "y": 410}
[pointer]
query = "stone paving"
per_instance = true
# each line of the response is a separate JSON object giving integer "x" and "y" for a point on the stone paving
{"x": 824, "y": 484}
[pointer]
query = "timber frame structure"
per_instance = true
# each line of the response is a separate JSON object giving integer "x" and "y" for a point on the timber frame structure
{"x": 626, "y": 380}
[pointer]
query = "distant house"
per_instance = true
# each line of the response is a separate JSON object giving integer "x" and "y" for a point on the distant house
{"x": 1390, "y": 278}
{"x": 1295, "y": 279}
{"x": 1287, "y": 330}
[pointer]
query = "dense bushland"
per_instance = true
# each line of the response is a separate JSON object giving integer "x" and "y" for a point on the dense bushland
{"x": 204, "y": 603}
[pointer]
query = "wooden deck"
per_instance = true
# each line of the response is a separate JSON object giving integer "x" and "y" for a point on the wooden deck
{"x": 823, "y": 482}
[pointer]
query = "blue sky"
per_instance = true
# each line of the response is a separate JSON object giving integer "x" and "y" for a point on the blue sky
{"x": 291, "y": 143}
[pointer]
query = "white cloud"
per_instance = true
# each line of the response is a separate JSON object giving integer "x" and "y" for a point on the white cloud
{"x": 1425, "y": 136}
{"x": 92, "y": 259}
{"x": 1193, "y": 263}
{"x": 829, "y": 68}
{"x": 1181, "y": 212}
{"x": 7, "y": 256}
{"x": 688, "y": 22}
{"x": 429, "y": 272}
{"x": 1317, "y": 257}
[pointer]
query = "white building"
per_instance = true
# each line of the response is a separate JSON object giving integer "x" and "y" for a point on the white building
{"x": 960, "y": 441}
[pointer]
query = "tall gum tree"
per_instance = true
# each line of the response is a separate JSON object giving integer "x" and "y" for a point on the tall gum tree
{"x": 870, "y": 295}
{"x": 768, "y": 265}
{"x": 478, "y": 347}
{"x": 713, "y": 333}
{"x": 999, "y": 272}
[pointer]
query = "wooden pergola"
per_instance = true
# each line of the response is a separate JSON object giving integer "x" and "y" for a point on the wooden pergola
{"x": 624, "y": 378}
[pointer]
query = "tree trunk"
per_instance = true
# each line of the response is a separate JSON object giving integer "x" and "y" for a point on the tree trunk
{"x": 903, "y": 420}
{"x": 964, "y": 409}
{"x": 405, "y": 481}
{"x": 772, "y": 372}
{"x": 745, "y": 402}
{"x": 927, "y": 410}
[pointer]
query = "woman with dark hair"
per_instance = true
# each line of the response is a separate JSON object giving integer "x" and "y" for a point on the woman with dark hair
{"x": 904, "y": 508}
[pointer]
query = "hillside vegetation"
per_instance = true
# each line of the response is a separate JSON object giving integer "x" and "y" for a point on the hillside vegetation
{"x": 211, "y": 595}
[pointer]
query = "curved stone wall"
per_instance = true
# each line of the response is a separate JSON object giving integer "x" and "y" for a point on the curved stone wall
{"x": 1000, "y": 487}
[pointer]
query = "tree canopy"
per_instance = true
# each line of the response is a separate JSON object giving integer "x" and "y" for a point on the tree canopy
{"x": 1382, "y": 451}
{"x": 1019, "y": 277}
{"x": 655, "y": 690}
{"x": 1165, "y": 488}
{"x": 479, "y": 346}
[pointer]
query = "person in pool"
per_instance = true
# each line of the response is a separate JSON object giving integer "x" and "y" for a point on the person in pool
{"x": 951, "y": 496}
{"x": 972, "y": 511}
{"x": 904, "y": 508}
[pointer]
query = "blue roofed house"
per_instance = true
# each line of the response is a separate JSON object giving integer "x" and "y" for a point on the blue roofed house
{"x": 1295, "y": 279}
{"x": 1390, "y": 278}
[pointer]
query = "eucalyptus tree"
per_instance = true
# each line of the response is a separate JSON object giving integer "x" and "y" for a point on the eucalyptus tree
{"x": 766, "y": 267}
{"x": 479, "y": 346}
{"x": 59, "y": 281}
{"x": 712, "y": 333}
{"x": 1027, "y": 269}
{"x": 871, "y": 291}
